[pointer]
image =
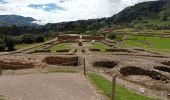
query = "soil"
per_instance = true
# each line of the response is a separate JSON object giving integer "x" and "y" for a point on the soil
{"x": 141, "y": 59}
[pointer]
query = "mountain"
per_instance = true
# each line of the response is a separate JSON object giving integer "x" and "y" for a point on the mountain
{"x": 152, "y": 12}
{"x": 8, "y": 20}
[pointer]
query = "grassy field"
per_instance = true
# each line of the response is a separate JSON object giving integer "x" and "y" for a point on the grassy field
{"x": 99, "y": 45}
{"x": 153, "y": 43}
{"x": 60, "y": 46}
{"x": 2, "y": 98}
{"x": 21, "y": 46}
{"x": 121, "y": 93}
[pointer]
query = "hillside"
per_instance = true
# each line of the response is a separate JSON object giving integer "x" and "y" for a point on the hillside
{"x": 153, "y": 14}
{"x": 146, "y": 13}
{"x": 8, "y": 20}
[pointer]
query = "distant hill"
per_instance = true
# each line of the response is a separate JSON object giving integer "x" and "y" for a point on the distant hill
{"x": 8, "y": 20}
{"x": 153, "y": 12}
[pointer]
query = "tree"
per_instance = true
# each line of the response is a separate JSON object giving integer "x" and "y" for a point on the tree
{"x": 10, "y": 43}
{"x": 39, "y": 38}
{"x": 28, "y": 39}
{"x": 2, "y": 46}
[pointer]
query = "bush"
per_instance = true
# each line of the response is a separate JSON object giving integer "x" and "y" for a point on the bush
{"x": 2, "y": 47}
{"x": 28, "y": 39}
{"x": 112, "y": 36}
{"x": 10, "y": 43}
{"x": 39, "y": 38}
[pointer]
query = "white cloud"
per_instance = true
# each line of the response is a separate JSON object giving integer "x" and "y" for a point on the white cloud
{"x": 73, "y": 9}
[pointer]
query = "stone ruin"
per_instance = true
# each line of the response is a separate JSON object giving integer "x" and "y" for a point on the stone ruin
{"x": 119, "y": 50}
{"x": 90, "y": 38}
{"x": 15, "y": 65}
{"x": 65, "y": 61}
{"x": 130, "y": 70}
{"x": 166, "y": 63}
{"x": 68, "y": 37}
{"x": 106, "y": 64}
{"x": 162, "y": 68}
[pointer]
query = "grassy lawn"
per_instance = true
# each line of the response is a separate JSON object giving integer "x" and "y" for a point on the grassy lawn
{"x": 157, "y": 43}
{"x": 60, "y": 46}
{"x": 99, "y": 45}
{"x": 62, "y": 70}
{"x": 2, "y": 98}
{"x": 121, "y": 93}
{"x": 21, "y": 46}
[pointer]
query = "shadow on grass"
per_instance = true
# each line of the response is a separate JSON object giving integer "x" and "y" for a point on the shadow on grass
{"x": 121, "y": 93}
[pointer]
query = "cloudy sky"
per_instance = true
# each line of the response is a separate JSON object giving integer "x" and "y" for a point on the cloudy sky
{"x": 52, "y": 11}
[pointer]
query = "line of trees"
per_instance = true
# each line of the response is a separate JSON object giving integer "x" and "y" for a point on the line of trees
{"x": 8, "y": 43}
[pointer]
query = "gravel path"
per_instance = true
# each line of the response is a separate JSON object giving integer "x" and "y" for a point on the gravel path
{"x": 58, "y": 86}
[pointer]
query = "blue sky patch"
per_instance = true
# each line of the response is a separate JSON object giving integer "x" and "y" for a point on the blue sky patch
{"x": 3, "y": 2}
{"x": 46, "y": 7}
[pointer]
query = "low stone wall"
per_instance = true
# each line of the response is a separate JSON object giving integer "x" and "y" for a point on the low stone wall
{"x": 72, "y": 51}
{"x": 94, "y": 49}
{"x": 14, "y": 65}
{"x": 64, "y": 50}
{"x": 108, "y": 44}
{"x": 42, "y": 51}
{"x": 86, "y": 51}
{"x": 106, "y": 64}
{"x": 90, "y": 38}
{"x": 162, "y": 68}
{"x": 166, "y": 63}
{"x": 67, "y": 37}
{"x": 119, "y": 50}
{"x": 66, "y": 61}
{"x": 130, "y": 70}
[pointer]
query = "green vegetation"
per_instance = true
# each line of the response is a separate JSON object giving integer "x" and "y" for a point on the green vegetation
{"x": 99, "y": 45}
{"x": 9, "y": 43}
{"x": 154, "y": 43}
{"x": 21, "y": 46}
{"x": 121, "y": 93}
{"x": 60, "y": 46}
{"x": 1, "y": 98}
{"x": 62, "y": 70}
{"x": 30, "y": 38}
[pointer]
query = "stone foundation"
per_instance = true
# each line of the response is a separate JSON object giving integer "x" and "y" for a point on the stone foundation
{"x": 106, "y": 64}
{"x": 14, "y": 65}
{"x": 66, "y": 61}
{"x": 130, "y": 70}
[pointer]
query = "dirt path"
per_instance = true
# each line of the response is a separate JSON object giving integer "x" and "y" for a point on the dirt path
{"x": 59, "y": 86}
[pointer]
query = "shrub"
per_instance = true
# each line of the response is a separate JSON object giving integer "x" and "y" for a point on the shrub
{"x": 28, "y": 39}
{"x": 10, "y": 43}
{"x": 112, "y": 36}
{"x": 39, "y": 38}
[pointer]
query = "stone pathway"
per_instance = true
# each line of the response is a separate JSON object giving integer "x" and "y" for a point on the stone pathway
{"x": 58, "y": 86}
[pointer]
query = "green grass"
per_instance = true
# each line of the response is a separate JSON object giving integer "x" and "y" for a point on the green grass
{"x": 99, "y": 45}
{"x": 2, "y": 98}
{"x": 21, "y": 46}
{"x": 60, "y": 46}
{"x": 62, "y": 70}
{"x": 121, "y": 93}
{"x": 157, "y": 43}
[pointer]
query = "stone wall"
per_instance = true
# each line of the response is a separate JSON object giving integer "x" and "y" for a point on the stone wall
{"x": 106, "y": 64}
{"x": 66, "y": 61}
{"x": 130, "y": 70}
{"x": 14, "y": 65}
{"x": 90, "y": 38}
{"x": 119, "y": 50}
{"x": 67, "y": 37}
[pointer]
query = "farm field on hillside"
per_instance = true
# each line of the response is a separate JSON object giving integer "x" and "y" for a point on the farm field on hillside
{"x": 155, "y": 43}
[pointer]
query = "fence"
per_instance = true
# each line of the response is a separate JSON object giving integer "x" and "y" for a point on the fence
{"x": 85, "y": 70}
